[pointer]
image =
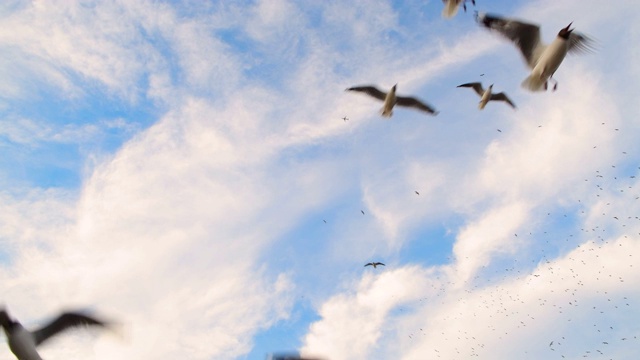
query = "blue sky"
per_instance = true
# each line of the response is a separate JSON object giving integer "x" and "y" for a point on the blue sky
{"x": 172, "y": 165}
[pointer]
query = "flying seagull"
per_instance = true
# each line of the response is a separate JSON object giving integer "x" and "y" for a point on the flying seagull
{"x": 542, "y": 59}
{"x": 292, "y": 356}
{"x": 390, "y": 100}
{"x": 451, "y": 7}
{"x": 23, "y": 343}
{"x": 487, "y": 95}
{"x": 374, "y": 264}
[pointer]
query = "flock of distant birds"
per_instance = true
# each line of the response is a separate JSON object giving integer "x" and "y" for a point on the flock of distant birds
{"x": 543, "y": 60}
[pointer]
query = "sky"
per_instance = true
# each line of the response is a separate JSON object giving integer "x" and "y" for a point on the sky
{"x": 184, "y": 168}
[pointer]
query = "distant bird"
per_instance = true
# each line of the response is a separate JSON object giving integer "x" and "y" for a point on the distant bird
{"x": 487, "y": 95}
{"x": 374, "y": 264}
{"x": 390, "y": 100}
{"x": 542, "y": 59}
{"x": 345, "y": 118}
{"x": 451, "y": 7}
{"x": 417, "y": 193}
{"x": 289, "y": 357}
{"x": 23, "y": 343}
{"x": 362, "y": 211}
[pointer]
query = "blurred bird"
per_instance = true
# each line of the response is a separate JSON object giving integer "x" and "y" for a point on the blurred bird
{"x": 23, "y": 343}
{"x": 374, "y": 264}
{"x": 451, "y": 7}
{"x": 289, "y": 357}
{"x": 487, "y": 95}
{"x": 390, "y": 100}
{"x": 542, "y": 59}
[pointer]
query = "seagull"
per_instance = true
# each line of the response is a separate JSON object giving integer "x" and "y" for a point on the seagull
{"x": 374, "y": 264}
{"x": 23, "y": 343}
{"x": 487, "y": 95}
{"x": 451, "y": 7}
{"x": 290, "y": 357}
{"x": 542, "y": 59}
{"x": 345, "y": 119}
{"x": 390, "y": 100}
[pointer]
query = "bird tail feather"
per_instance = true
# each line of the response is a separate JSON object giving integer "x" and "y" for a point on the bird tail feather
{"x": 534, "y": 83}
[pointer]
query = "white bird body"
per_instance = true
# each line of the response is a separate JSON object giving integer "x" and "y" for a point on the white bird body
{"x": 485, "y": 98}
{"x": 22, "y": 344}
{"x": 389, "y": 103}
{"x": 547, "y": 64}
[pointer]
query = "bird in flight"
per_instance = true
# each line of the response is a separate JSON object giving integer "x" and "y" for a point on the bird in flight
{"x": 487, "y": 95}
{"x": 390, "y": 100}
{"x": 451, "y": 7}
{"x": 23, "y": 343}
{"x": 374, "y": 264}
{"x": 345, "y": 118}
{"x": 543, "y": 59}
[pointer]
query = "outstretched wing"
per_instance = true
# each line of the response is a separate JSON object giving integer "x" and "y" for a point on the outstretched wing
{"x": 415, "y": 103}
{"x": 579, "y": 43}
{"x": 524, "y": 35}
{"x": 476, "y": 86}
{"x": 368, "y": 264}
{"x": 63, "y": 322}
{"x": 370, "y": 90}
{"x": 502, "y": 97}
{"x": 379, "y": 263}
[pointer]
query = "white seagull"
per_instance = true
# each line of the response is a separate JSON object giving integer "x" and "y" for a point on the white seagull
{"x": 451, "y": 7}
{"x": 487, "y": 95}
{"x": 390, "y": 100}
{"x": 23, "y": 343}
{"x": 542, "y": 59}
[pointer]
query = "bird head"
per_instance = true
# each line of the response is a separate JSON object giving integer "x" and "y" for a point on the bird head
{"x": 565, "y": 32}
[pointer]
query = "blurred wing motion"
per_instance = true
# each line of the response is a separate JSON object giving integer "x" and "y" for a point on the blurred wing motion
{"x": 63, "y": 322}
{"x": 524, "y": 35}
{"x": 502, "y": 97}
{"x": 370, "y": 90}
{"x": 475, "y": 86}
{"x": 415, "y": 103}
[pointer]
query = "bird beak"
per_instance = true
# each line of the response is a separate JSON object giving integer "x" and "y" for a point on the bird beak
{"x": 568, "y": 26}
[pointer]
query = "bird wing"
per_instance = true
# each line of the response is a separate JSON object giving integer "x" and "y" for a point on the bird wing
{"x": 370, "y": 90}
{"x": 367, "y": 264}
{"x": 63, "y": 322}
{"x": 476, "y": 86}
{"x": 502, "y": 97}
{"x": 524, "y": 35}
{"x": 579, "y": 43}
{"x": 379, "y": 263}
{"x": 415, "y": 103}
